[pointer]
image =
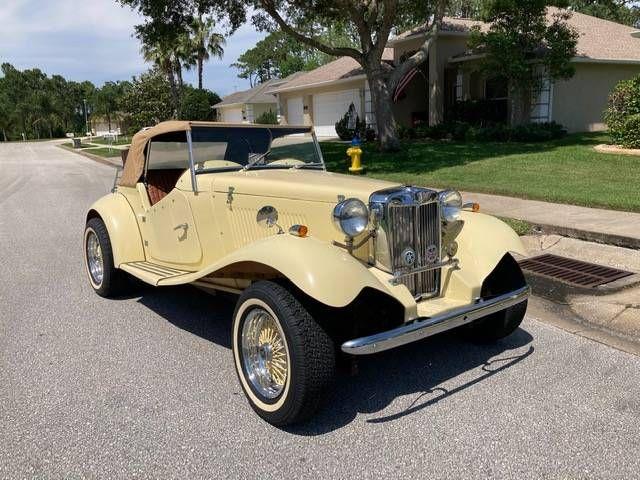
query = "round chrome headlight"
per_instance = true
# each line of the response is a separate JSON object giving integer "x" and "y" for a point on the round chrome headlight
{"x": 451, "y": 202}
{"x": 351, "y": 216}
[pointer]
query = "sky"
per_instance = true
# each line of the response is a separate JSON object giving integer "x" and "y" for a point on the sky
{"x": 92, "y": 40}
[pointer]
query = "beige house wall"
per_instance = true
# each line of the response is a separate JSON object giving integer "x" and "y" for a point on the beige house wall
{"x": 578, "y": 103}
{"x": 260, "y": 108}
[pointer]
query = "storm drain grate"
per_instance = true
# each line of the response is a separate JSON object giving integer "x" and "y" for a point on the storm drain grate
{"x": 574, "y": 272}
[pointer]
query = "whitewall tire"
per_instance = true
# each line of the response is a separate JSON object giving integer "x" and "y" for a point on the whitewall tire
{"x": 285, "y": 361}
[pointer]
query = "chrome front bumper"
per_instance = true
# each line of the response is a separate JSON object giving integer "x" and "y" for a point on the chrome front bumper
{"x": 426, "y": 327}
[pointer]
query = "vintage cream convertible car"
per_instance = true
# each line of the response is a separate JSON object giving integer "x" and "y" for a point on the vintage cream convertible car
{"x": 323, "y": 263}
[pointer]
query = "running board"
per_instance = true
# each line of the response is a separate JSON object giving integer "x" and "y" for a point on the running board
{"x": 153, "y": 273}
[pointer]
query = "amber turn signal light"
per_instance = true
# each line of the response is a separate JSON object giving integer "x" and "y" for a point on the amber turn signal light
{"x": 474, "y": 207}
{"x": 299, "y": 230}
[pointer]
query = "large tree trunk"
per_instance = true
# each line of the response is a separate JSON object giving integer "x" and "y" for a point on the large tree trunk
{"x": 382, "y": 102}
{"x": 200, "y": 64}
{"x": 109, "y": 121}
{"x": 520, "y": 107}
{"x": 4, "y": 135}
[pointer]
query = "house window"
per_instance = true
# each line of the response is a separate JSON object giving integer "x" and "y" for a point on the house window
{"x": 542, "y": 99}
{"x": 459, "y": 93}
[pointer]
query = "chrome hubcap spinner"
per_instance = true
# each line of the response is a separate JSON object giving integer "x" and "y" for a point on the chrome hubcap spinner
{"x": 264, "y": 353}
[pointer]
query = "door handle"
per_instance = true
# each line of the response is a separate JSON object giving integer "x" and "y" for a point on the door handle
{"x": 184, "y": 227}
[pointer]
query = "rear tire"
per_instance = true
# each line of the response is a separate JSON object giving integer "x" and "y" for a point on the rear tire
{"x": 497, "y": 325}
{"x": 284, "y": 360}
{"x": 105, "y": 279}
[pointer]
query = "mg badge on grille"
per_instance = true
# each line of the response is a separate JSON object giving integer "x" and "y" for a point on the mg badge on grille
{"x": 408, "y": 257}
{"x": 431, "y": 255}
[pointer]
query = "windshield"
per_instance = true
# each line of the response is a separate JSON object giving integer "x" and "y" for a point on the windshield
{"x": 228, "y": 148}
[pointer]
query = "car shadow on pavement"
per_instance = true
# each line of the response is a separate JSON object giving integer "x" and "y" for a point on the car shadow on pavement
{"x": 202, "y": 314}
{"x": 422, "y": 372}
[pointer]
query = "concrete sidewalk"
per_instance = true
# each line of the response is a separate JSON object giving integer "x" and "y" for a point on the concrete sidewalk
{"x": 593, "y": 224}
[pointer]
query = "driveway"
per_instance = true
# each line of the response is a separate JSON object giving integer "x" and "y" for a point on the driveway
{"x": 144, "y": 386}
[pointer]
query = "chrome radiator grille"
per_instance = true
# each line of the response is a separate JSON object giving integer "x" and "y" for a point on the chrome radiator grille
{"x": 415, "y": 227}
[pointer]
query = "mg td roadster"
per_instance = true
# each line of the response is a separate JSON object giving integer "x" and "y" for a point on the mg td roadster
{"x": 324, "y": 264}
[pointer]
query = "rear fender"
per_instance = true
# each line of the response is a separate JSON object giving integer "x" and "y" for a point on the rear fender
{"x": 124, "y": 234}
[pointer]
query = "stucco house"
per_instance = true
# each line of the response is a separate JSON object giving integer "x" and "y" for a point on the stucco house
{"x": 607, "y": 53}
{"x": 246, "y": 106}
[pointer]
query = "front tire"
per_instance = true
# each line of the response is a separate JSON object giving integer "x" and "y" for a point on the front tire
{"x": 285, "y": 361}
{"x": 105, "y": 279}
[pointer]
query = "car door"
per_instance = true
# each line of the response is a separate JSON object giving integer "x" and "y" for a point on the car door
{"x": 168, "y": 230}
{"x": 171, "y": 236}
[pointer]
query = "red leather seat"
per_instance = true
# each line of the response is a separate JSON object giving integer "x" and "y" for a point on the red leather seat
{"x": 161, "y": 182}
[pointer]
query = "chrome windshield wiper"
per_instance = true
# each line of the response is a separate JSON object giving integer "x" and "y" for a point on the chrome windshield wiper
{"x": 256, "y": 158}
{"x": 305, "y": 165}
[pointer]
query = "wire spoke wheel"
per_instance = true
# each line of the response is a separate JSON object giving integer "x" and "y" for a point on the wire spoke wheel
{"x": 94, "y": 257}
{"x": 264, "y": 353}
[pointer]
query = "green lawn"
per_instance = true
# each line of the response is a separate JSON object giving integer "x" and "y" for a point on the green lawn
{"x": 564, "y": 171}
{"x": 122, "y": 140}
{"x": 105, "y": 152}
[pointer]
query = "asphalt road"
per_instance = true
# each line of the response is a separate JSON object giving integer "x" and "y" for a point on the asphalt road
{"x": 144, "y": 386}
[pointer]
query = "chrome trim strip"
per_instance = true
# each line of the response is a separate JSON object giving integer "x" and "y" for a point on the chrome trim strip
{"x": 192, "y": 166}
{"x": 316, "y": 145}
{"x": 426, "y": 327}
{"x": 398, "y": 276}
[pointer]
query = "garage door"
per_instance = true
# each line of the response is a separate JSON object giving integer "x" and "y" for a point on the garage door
{"x": 294, "y": 111}
{"x": 232, "y": 115}
{"x": 328, "y": 108}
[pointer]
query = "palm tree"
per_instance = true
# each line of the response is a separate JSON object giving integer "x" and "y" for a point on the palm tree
{"x": 204, "y": 42}
{"x": 164, "y": 57}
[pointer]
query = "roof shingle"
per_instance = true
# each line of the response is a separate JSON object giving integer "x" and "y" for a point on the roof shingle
{"x": 598, "y": 40}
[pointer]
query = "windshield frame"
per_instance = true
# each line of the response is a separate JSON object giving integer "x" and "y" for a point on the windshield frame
{"x": 319, "y": 164}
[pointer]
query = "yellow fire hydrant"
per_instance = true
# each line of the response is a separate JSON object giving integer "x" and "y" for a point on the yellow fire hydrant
{"x": 355, "y": 152}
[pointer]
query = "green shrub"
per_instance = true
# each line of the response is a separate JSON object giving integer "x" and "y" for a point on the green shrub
{"x": 370, "y": 134}
{"x": 479, "y": 113}
{"x": 497, "y": 132}
{"x": 624, "y": 101}
{"x": 630, "y": 132}
{"x": 268, "y": 118}
{"x": 529, "y": 132}
{"x": 406, "y": 133}
{"x": 196, "y": 104}
{"x": 345, "y": 133}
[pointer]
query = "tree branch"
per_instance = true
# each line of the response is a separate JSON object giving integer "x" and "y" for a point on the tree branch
{"x": 270, "y": 8}
{"x": 388, "y": 20}
{"x": 422, "y": 54}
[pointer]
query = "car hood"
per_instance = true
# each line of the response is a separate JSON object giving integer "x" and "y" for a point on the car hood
{"x": 310, "y": 185}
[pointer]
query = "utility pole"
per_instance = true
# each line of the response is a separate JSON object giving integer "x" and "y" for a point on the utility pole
{"x": 86, "y": 120}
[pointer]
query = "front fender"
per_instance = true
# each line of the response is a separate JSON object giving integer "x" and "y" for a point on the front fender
{"x": 120, "y": 220}
{"x": 483, "y": 242}
{"x": 321, "y": 270}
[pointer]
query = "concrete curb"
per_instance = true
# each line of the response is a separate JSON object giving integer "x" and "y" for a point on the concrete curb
{"x": 560, "y": 316}
{"x": 597, "y": 237}
{"x": 95, "y": 158}
{"x": 557, "y": 293}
